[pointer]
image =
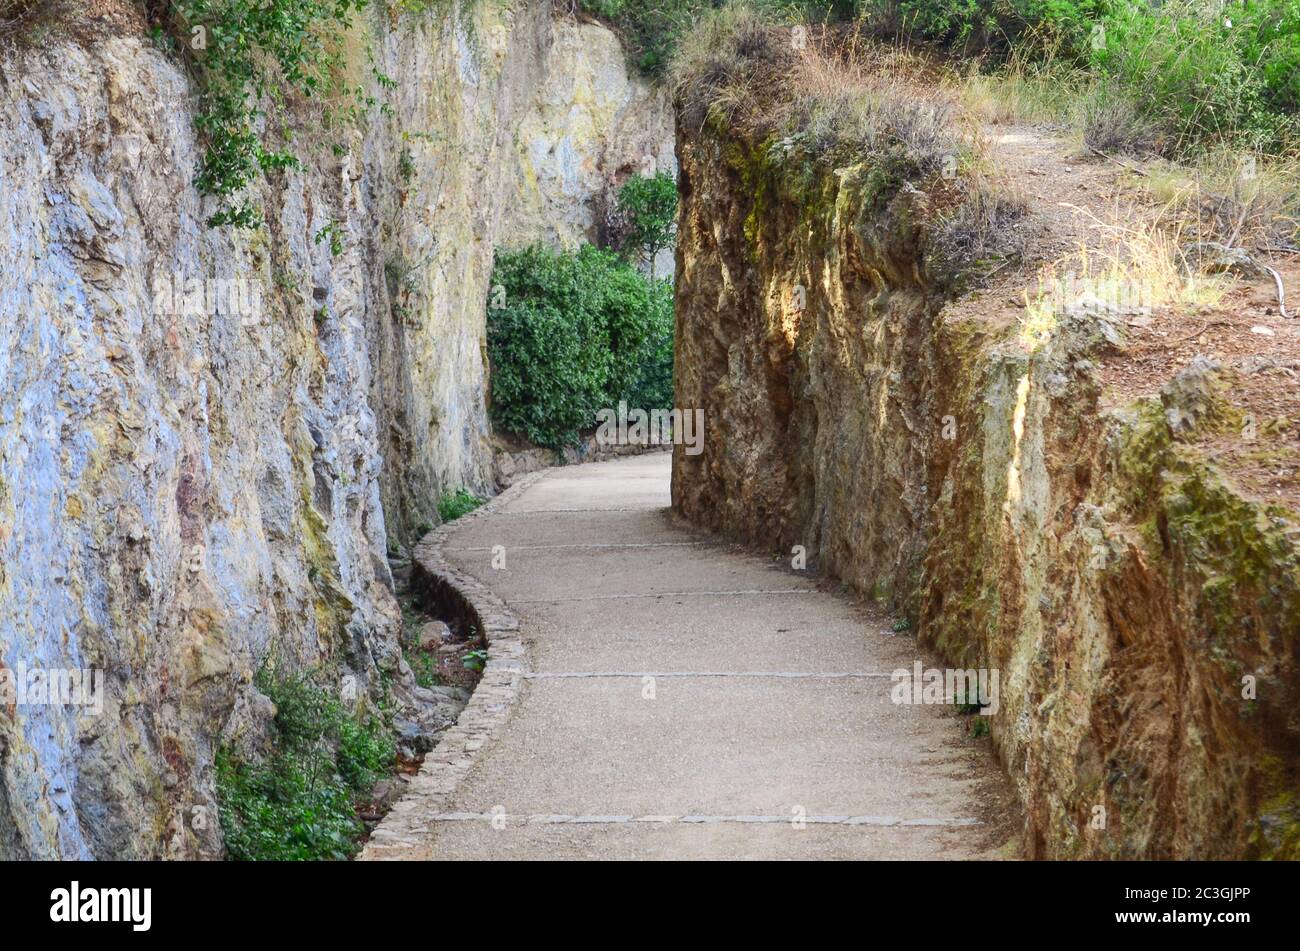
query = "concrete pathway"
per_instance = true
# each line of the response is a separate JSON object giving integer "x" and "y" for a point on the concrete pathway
{"x": 686, "y": 699}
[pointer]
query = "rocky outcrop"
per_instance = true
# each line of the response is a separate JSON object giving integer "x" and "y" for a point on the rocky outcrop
{"x": 190, "y": 489}
{"x": 1143, "y": 613}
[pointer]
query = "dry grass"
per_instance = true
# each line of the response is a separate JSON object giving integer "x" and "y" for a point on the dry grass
{"x": 1233, "y": 198}
{"x": 1044, "y": 89}
{"x": 867, "y": 98}
{"x": 838, "y": 91}
{"x": 982, "y": 232}
{"x": 1112, "y": 123}
{"x": 837, "y": 97}
{"x": 1227, "y": 196}
{"x": 14, "y": 13}
{"x": 1024, "y": 90}
{"x": 728, "y": 63}
{"x": 27, "y": 22}
{"x": 1133, "y": 270}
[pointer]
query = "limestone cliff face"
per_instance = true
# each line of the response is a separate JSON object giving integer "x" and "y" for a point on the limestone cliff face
{"x": 594, "y": 123}
{"x": 977, "y": 486}
{"x": 187, "y": 492}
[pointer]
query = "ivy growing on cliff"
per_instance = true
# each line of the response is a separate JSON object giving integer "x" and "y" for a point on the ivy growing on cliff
{"x": 253, "y": 58}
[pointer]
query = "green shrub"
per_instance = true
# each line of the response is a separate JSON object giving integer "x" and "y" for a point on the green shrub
{"x": 1199, "y": 77}
{"x": 1200, "y": 71}
{"x": 455, "y": 504}
{"x": 299, "y": 802}
{"x": 652, "y": 385}
{"x": 978, "y": 26}
{"x": 575, "y": 332}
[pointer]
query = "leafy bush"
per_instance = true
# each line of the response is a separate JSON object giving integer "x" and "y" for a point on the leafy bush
{"x": 299, "y": 802}
{"x": 652, "y": 386}
{"x": 977, "y": 26}
{"x": 455, "y": 504}
{"x": 575, "y": 332}
{"x": 251, "y": 55}
{"x": 1201, "y": 71}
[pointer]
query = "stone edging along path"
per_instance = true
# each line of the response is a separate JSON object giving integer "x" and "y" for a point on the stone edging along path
{"x": 407, "y": 825}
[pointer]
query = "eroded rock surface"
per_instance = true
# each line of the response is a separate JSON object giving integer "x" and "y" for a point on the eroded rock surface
{"x": 973, "y": 481}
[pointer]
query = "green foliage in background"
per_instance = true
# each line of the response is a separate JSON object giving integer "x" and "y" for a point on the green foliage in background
{"x": 651, "y": 28}
{"x": 652, "y": 385}
{"x": 1205, "y": 72}
{"x": 574, "y": 332}
{"x": 252, "y": 57}
{"x": 299, "y": 801}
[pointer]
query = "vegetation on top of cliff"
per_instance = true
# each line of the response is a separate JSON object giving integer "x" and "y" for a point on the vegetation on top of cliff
{"x": 571, "y": 333}
{"x": 1191, "y": 80}
{"x": 253, "y": 57}
{"x": 651, "y": 30}
{"x": 742, "y": 72}
{"x": 1214, "y": 90}
{"x": 1188, "y": 72}
{"x": 817, "y": 101}
{"x": 14, "y": 14}
{"x": 1174, "y": 76}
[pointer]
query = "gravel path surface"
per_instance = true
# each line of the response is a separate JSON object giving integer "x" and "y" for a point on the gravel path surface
{"x": 686, "y": 699}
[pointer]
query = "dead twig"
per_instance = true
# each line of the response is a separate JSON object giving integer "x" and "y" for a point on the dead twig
{"x": 1204, "y": 327}
{"x": 12, "y": 19}
{"x": 1121, "y": 163}
{"x": 1236, "y": 231}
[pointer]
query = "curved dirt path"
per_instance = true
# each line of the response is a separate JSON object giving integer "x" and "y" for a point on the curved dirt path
{"x": 768, "y": 700}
